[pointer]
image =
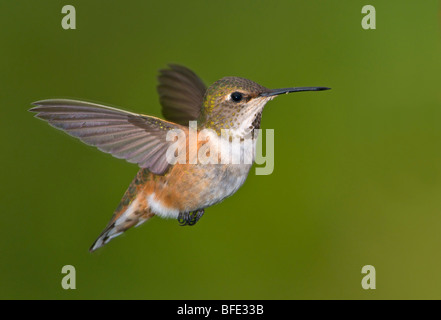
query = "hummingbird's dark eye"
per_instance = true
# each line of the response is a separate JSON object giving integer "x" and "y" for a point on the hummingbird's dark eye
{"x": 236, "y": 96}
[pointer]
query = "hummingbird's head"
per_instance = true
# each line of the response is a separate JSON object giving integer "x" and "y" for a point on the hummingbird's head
{"x": 236, "y": 104}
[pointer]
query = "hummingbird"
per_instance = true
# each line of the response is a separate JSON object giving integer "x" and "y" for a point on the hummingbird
{"x": 170, "y": 190}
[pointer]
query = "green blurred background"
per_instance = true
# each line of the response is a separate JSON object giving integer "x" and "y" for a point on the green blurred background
{"x": 357, "y": 176}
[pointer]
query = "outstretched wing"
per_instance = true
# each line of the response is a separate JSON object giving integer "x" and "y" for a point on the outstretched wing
{"x": 181, "y": 94}
{"x": 137, "y": 138}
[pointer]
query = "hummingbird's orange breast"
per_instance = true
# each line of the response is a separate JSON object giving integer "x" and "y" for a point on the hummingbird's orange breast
{"x": 189, "y": 187}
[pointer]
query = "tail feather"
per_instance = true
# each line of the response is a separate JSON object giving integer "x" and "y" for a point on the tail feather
{"x": 131, "y": 217}
{"x": 133, "y": 210}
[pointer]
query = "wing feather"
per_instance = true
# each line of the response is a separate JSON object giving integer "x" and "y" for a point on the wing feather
{"x": 136, "y": 138}
{"x": 181, "y": 94}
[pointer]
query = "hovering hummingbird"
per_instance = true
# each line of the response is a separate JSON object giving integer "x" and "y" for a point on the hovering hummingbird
{"x": 181, "y": 190}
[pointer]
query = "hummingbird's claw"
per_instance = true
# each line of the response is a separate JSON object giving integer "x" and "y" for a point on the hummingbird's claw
{"x": 190, "y": 218}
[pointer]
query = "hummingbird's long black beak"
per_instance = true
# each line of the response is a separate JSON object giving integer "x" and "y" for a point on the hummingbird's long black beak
{"x": 276, "y": 92}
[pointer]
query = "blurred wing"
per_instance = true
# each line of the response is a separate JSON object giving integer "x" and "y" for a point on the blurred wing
{"x": 181, "y": 94}
{"x": 137, "y": 138}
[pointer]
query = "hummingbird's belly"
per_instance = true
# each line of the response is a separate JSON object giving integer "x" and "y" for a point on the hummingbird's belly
{"x": 188, "y": 188}
{"x": 222, "y": 182}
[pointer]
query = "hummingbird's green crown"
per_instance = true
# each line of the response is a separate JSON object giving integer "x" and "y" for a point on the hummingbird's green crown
{"x": 233, "y": 103}
{"x": 228, "y": 84}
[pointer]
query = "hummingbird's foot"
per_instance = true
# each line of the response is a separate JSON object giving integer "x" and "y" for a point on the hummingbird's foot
{"x": 190, "y": 218}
